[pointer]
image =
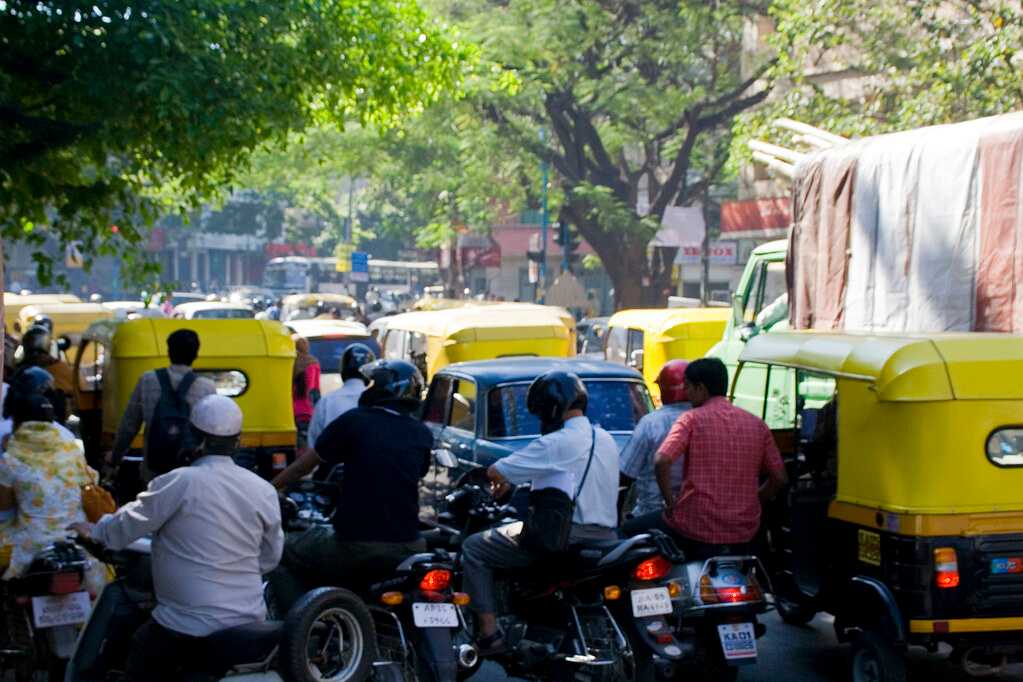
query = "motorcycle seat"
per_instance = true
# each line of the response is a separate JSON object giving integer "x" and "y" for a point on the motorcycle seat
{"x": 250, "y": 643}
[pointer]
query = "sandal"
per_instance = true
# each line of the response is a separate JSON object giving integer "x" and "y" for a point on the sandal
{"x": 491, "y": 645}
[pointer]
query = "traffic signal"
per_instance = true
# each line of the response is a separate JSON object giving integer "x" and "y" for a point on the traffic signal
{"x": 567, "y": 238}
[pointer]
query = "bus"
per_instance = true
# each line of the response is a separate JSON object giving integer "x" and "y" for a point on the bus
{"x": 300, "y": 274}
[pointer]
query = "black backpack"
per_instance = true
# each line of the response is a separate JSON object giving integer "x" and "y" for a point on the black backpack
{"x": 168, "y": 433}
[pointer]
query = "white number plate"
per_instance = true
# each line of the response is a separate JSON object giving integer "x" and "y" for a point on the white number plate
{"x": 652, "y": 602}
{"x": 435, "y": 615}
{"x": 738, "y": 641}
{"x": 68, "y": 609}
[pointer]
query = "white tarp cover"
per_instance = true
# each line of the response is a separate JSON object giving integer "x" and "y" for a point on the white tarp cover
{"x": 913, "y": 231}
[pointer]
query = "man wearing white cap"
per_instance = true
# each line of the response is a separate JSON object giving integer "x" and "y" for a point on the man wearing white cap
{"x": 216, "y": 529}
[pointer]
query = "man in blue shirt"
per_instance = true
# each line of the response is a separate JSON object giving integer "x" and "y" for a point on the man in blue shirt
{"x": 558, "y": 459}
{"x": 637, "y": 458}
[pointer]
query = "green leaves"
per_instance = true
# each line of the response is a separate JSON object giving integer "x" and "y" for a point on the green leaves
{"x": 102, "y": 110}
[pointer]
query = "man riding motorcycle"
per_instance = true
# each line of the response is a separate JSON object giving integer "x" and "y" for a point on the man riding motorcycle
{"x": 37, "y": 347}
{"x": 560, "y": 459}
{"x": 637, "y": 458}
{"x": 216, "y": 530}
{"x": 385, "y": 451}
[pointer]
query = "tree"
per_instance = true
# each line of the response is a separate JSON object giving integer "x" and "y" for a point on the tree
{"x": 120, "y": 109}
{"x": 637, "y": 98}
{"x": 918, "y": 62}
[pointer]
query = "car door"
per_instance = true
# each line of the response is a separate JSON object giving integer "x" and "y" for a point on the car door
{"x": 435, "y": 417}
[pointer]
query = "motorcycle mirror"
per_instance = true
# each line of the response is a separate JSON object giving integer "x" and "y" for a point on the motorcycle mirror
{"x": 445, "y": 458}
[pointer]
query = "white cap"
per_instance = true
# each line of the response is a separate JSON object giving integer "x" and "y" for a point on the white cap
{"x": 217, "y": 415}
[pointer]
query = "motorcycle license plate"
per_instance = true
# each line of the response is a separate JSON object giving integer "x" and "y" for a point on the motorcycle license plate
{"x": 738, "y": 642}
{"x": 653, "y": 602}
{"x": 68, "y": 609}
{"x": 435, "y": 615}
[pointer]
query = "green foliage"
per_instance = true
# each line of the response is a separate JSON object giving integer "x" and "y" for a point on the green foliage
{"x": 918, "y": 62}
{"x": 121, "y": 109}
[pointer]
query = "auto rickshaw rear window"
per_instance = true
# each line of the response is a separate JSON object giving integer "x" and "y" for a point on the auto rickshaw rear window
{"x": 229, "y": 382}
{"x": 1005, "y": 447}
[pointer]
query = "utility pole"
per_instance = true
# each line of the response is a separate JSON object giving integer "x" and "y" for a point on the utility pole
{"x": 542, "y": 279}
{"x": 705, "y": 251}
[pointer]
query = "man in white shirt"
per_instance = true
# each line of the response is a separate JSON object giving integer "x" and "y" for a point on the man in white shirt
{"x": 329, "y": 408}
{"x": 559, "y": 459}
{"x": 216, "y": 529}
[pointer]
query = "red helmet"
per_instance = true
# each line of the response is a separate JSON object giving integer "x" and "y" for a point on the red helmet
{"x": 671, "y": 382}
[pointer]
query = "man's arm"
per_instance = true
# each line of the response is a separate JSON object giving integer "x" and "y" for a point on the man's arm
{"x": 522, "y": 466}
{"x": 272, "y": 545}
{"x": 302, "y": 466}
{"x": 145, "y": 515}
{"x": 131, "y": 422}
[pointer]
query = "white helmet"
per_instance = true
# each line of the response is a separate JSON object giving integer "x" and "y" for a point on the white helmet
{"x": 217, "y": 415}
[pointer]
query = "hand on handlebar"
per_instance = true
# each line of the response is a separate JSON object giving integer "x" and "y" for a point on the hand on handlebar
{"x": 499, "y": 489}
{"x": 82, "y": 529}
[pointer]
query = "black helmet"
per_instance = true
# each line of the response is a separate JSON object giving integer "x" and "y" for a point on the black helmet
{"x": 352, "y": 360}
{"x": 43, "y": 320}
{"x": 27, "y": 382}
{"x": 392, "y": 381}
{"x": 552, "y": 394}
{"x": 36, "y": 340}
{"x": 34, "y": 407}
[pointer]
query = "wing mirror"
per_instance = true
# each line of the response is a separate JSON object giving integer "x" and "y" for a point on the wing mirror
{"x": 63, "y": 344}
{"x": 748, "y": 331}
{"x": 636, "y": 360}
{"x": 445, "y": 458}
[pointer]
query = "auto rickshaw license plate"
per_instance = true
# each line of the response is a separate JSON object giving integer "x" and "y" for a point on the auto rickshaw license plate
{"x": 738, "y": 642}
{"x": 435, "y": 615}
{"x": 1007, "y": 565}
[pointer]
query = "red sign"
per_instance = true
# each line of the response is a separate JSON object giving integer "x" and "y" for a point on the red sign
{"x": 157, "y": 240}
{"x": 478, "y": 251}
{"x": 279, "y": 250}
{"x": 756, "y": 215}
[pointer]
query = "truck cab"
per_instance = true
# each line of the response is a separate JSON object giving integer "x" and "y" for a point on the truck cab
{"x": 759, "y": 305}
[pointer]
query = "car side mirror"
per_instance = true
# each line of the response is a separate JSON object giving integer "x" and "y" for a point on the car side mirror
{"x": 748, "y": 331}
{"x": 445, "y": 458}
{"x": 636, "y": 360}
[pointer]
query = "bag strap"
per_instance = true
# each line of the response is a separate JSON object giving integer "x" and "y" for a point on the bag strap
{"x": 165, "y": 384}
{"x": 586, "y": 473}
{"x": 186, "y": 383}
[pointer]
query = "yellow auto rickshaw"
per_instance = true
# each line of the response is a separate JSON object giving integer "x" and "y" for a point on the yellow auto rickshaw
{"x": 645, "y": 339}
{"x": 311, "y": 306}
{"x": 248, "y": 360}
{"x": 434, "y": 339}
{"x": 70, "y": 320}
{"x": 904, "y": 517}
{"x": 13, "y": 303}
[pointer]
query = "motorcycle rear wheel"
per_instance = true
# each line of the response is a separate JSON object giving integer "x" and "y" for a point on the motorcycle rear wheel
{"x": 331, "y": 631}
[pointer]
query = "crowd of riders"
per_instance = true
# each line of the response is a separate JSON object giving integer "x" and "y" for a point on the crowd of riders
{"x": 700, "y": 469}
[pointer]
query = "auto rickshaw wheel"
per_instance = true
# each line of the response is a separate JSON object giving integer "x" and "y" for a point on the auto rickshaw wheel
{"x": 875, "y": 660}
{"x": 794, "y": 613}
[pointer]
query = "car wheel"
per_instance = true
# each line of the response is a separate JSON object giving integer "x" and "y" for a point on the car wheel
{"x": 875, "y": 660}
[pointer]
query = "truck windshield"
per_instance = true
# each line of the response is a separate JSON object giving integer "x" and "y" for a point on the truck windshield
{"x": 613, "y": 405}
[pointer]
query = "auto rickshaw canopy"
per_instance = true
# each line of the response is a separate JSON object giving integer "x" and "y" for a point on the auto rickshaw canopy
{"x": 249, "y": 360}
{"x": 928, "y": 426}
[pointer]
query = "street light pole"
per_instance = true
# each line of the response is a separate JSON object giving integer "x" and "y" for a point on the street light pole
{"x": 542, "y": 270}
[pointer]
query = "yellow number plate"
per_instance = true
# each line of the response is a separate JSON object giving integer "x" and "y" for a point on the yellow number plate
{"x": 870, "y": 548}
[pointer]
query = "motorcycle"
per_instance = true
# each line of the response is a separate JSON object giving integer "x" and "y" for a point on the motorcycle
{"x": 418, "y": 618}
{"x": 677, "y": 615}
{"x": 327, "y": 635}
{"x": 42, "y": 611}
{"x": 557, "y": 620}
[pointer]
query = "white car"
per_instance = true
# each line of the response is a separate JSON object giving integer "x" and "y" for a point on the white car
{"x": 213, "y": 310}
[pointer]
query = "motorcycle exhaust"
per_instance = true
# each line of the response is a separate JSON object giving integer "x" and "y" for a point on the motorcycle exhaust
{"x": 983, "y": 668}
{"x": 468, "y": 657}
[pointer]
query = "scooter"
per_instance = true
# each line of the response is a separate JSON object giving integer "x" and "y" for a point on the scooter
{"x": 327, "y": 635}
{"x": 42, "y": 610}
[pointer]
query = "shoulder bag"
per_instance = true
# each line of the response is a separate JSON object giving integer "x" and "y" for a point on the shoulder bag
{"x": 549, "y": 519}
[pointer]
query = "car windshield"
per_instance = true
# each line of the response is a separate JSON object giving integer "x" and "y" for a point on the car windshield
{"x": 613, "y": 405}
{"x": 329, "y": 351}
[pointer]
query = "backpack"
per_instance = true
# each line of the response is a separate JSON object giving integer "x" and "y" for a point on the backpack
{"x": 168, "y": 433}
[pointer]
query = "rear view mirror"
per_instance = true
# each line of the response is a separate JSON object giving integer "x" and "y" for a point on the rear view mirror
{"x": 445, "y": 458}
{"x": 636, "y": 360}
{"x": 748, "y": 331}
{"x": 63, "y": 344}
